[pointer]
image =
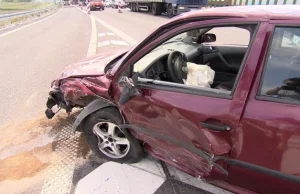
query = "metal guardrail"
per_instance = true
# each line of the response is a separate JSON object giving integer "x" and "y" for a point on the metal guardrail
{"x": 12, "y": 16}
{"x": 221, "y": 3}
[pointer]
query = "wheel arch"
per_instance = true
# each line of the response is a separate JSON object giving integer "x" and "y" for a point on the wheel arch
{"x": 94, "y": 106}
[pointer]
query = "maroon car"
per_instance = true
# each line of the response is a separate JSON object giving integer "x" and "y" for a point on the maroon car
{"x": 235, "y": 123}
{"x": 96, "y": 4}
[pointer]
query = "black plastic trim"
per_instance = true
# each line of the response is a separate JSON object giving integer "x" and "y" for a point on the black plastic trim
{"x": 264, "y": 170}
{"x": 89, "y": 109}
{"x": 278, "y": 100}
{"x": 181, "y": 88}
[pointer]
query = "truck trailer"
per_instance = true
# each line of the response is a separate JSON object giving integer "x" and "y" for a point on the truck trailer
{"x": 171, "y": 7}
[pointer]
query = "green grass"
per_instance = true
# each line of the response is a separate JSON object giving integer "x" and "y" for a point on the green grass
{"x": 10, "y": 7}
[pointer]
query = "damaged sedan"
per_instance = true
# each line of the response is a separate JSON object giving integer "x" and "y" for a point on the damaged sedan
{"x": 214, "y": 93}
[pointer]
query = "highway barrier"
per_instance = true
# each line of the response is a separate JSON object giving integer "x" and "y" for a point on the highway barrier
{"x": 7, "y": 19}
{"x": 221, "y": 3}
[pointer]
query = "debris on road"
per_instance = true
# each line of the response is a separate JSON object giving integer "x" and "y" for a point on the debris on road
{"x": 38, "y": 140}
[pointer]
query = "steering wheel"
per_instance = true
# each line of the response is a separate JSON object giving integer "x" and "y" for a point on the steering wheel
{"x": 177, "y": 66}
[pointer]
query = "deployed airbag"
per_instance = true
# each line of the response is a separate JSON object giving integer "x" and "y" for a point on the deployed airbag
{"x": 199, "y": 75}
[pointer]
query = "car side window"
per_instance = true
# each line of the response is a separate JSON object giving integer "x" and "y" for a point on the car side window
{"x": 281, "y": 77}
{"x": 241, "y": 36}
{"x": 207, "y": 58}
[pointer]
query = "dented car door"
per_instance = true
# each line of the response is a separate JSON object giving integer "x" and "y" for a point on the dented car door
{"x": 187, "y": 128}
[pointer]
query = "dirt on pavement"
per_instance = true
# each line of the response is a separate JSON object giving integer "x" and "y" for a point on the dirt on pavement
{"x": 26, "y": 151}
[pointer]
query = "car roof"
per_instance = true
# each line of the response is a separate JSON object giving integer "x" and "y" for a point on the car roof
{"x": 272, "y": 12}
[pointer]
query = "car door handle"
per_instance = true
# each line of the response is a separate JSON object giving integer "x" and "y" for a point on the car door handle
{"x": 215, "y": 127}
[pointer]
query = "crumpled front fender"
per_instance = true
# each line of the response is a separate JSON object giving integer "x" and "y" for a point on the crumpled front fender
{"x": 76, "y": 90}
{"x": 95, "y": 105}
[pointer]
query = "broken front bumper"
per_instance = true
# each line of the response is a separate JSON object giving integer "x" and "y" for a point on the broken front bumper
{"x": 55, "y": 102}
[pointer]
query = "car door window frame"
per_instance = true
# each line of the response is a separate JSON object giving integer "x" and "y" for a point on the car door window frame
{"x": 148, "y": 83}
{"x": 150, "y": 41}
{"x": 258, "y": 96}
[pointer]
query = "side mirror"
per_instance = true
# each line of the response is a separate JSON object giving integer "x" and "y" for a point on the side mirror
{"x": 209, "y": 38}
{"x": 130, "y": 89}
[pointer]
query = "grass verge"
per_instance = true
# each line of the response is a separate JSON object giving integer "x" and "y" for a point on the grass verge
{"x": 11, "y": 7}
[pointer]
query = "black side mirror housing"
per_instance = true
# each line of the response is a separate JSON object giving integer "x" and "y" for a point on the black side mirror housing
{"x": 209, "y": 38}
{"x": 130, "y": 89}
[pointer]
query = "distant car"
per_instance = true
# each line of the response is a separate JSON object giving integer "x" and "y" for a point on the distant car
{"x": 66, "y": 2}
{"x": 97, "y": 4}
{"x": 116, "y": 2}
{"x": 108, "y": 3}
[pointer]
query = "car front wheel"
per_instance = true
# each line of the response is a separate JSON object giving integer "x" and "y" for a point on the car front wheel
{"x": 110, "y": 142}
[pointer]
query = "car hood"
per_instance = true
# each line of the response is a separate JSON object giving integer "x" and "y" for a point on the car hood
{"x": 92, "y": 66}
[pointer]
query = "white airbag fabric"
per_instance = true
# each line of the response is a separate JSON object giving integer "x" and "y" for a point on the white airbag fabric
{"x": 199, "y": 75}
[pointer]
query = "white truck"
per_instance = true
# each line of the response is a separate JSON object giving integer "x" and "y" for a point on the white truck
{"x": 171, "y": 7}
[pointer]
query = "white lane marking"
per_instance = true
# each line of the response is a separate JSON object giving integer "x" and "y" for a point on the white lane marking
{"x": 104, "y": 43}
{"x": 18, "y": 29}
{"x": 93, "y": 41}
{"x": 118, "y": 42}
{"x": 101, "y": 34}
{"x": 116, "y": 31}
{"x": 106, "y": 34}
{"x": 110, "y": 34}
{"x": 114, "y": 42}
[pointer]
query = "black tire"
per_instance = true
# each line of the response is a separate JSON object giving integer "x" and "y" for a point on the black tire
{"x": 111, "y": 114}
{"x": 155, "y": 9}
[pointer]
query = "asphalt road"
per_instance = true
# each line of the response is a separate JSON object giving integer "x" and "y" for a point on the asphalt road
{"x": 32, "y": 57}
{"x": 137, "y": 25}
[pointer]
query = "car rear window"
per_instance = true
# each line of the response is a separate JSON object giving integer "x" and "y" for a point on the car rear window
{"x": 281, "y": 77}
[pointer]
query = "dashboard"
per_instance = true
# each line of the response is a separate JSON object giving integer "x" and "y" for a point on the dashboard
{"x": 158, "y": 70}
{"x": 155, "y": 66}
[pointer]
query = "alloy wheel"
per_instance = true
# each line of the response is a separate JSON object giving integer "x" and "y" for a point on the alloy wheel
{"x": 111, "y": 140}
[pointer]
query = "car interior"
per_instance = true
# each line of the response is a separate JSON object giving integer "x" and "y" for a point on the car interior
{"x": 221, "y": 51}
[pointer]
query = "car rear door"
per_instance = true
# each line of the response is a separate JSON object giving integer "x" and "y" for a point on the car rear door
{"x": 189, "y": 128}
{"x": 266, "y": 155}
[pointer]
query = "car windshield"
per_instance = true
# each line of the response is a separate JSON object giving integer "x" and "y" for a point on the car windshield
{"x": 188, "y": 37}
